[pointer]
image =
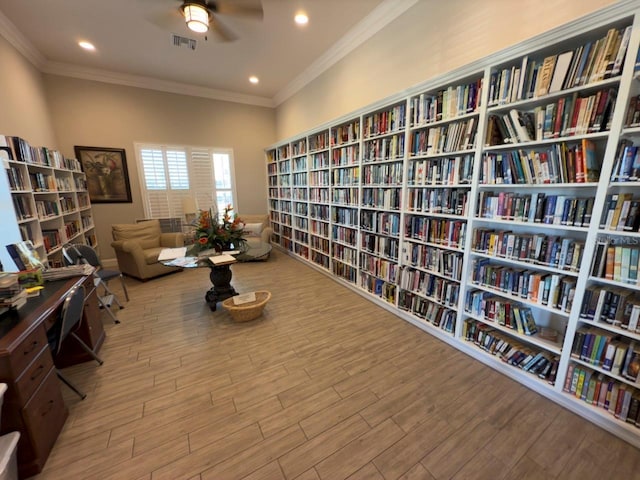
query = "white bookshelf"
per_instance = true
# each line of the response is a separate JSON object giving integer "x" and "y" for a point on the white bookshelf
{"x": 410, "y": 203}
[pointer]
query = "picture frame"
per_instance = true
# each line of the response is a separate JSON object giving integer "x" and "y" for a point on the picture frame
{"x": 107, "y": 174}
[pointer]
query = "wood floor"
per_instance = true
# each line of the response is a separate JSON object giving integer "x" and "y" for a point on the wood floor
{"x": 325, "y": 386}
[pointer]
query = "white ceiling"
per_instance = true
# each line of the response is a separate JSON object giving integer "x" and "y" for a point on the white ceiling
{"x": 133, "y": 42}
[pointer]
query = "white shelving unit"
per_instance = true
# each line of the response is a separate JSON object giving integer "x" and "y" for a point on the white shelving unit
{"x": 438, "y": 206}
{"x": 50, "y": 199}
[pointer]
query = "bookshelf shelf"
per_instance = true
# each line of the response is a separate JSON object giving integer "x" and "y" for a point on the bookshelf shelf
{"x": 427, "y": 160}
{"x": 532, "y": 339}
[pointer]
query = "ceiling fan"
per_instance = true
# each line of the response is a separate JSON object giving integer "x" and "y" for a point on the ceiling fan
{"x": 204, "y": 15}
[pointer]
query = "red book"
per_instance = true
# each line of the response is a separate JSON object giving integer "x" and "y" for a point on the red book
{"x": 557, "y": 127}
{"x": 579, "y": 165}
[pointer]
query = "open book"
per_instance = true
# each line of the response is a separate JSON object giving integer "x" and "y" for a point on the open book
{"x": 171, "y": 253}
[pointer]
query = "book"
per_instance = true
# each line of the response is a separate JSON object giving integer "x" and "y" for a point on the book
{"x": 562, "y": 65}
{"x": 222, "y": 259}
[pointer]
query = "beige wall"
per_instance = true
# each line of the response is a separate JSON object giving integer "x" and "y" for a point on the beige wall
{"x": 24, "y": 107}
{"x": 431, "y": 38}
{"x": 99, "y": 114}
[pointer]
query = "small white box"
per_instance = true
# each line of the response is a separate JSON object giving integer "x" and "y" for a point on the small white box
{"x": 9, "y": 456}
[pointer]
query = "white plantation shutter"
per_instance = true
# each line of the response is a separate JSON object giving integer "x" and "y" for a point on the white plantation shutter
{"x": 168, "y": 174}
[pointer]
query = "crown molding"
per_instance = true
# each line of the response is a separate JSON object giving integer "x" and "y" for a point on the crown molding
{"x": 379, "y": 18}
{"x": 74, "y": 71}
{"x": 9, "y": 31}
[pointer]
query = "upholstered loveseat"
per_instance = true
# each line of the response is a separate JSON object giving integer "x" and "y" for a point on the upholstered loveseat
{"x": 256, "y": 228}
{"x": 138, "y": 245}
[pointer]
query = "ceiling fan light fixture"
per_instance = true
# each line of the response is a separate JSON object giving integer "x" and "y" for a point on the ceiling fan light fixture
{"x": 196, "y": 16}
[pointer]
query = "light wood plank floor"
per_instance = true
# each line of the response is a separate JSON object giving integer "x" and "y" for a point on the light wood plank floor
{"x": 325, "y": 386}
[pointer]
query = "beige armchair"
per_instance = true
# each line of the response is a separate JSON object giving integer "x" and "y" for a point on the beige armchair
{"x": 138, "y": 245}
{"x": 257, "y": 228}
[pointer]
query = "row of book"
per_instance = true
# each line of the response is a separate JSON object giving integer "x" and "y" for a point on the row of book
{"x": 319, "y": 141}
{"x": 592, "y": 62}
{"x": 441, "y": 171}
{"x": 380, "y": 123}
{"x": 536, "y": 362}
{"x": 613, "y": 306}
{"x": 431, "y": 286}
{"x": 550, "y": 289}
{"x": 319, "y": 178}
{"x": 383, "y": 174}
{"x": 345, "y": 133}
{"x": 505, "y": 312}
{"x": 51, "y": 239}
{"x": 626, "y": 167}
{"x": 301, "y": 237}
{"x": 435, "y": 260}
{"x": 387, "y": 247}
{"x": 380, "y": 149}
{"x": 452, "y": 137}
{"x": 438, "y": 315}
{"x": 349, "y": 155}
{"x": 345, "y": 196}
{"x": 299, "y": 164}
{"x": 345, "y": 254}
{"x": 536, "y": 208}
{"x": 321, "y": 244}
{"x": 378, "y": 287}
{"x": 47, "y": 208}
{"x": 606, "y": 351}
{"x": 299, "y": 194}
{"x": 299, "y": 179}
{"x": 619, "y": 263}
{"x": 556, "y": 164}
{"x": 299, "y": 147}
{"x": 71, "y": 229}
{"x": 301, "y": 223}
{"x": 565, "y": 117}
{"x": 320, "y": 228}
{"x": 444, "y": 232}
{"x": 41, "y": 182}
{"x": 20, "y": 150}
{"x": 450, "y": 201}
{"x": 320, "y": 259}
{"x": 319, "y": 211}
{"x": 379, "y": 267}
{"x": 539, "y": 249}
{"x": 344, "y": 271}
{"x": 632, "y": 119}
{"x": 319, "y": 195}
{"x": 621, "y": 212}
{"x": 16, "y": 182}
{"x": 22, "y": 207}
{"x": 345, "y": 235}
{"x": 445, "y": 104}
{"x": 619, "y": 399}
{"x": 346, "y": 176}
{"x": 385, "y": 198}
{"x": 319, "y": 160}
{"x": 284, "y": 167}
{"x": 384, "y": 223}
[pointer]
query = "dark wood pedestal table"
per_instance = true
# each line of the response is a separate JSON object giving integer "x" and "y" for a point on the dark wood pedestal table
{"x": 220, "y": 274}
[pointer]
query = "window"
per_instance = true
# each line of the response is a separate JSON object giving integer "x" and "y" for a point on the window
{"x": 171, "y": 174}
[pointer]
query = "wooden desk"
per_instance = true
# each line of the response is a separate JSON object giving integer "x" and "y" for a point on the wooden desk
{"x": 33, "y": 403}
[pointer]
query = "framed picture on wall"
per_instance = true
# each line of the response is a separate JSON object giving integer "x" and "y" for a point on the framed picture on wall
{"x": 107, "y": 174}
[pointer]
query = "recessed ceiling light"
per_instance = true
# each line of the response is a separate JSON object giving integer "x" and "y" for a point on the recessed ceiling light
{"x": 253, "y": 79}
{"x": 87, "y": 45}
{"x": 301, "y": 18}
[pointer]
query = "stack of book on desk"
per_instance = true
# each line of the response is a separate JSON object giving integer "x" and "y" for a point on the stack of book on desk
{"x": 12, "y": 295}
{"x": 68, "y": 272}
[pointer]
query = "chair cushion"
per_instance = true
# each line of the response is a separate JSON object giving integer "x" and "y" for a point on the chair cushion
{"x": 253, "y": 229}
{"x": 147, "y": 233}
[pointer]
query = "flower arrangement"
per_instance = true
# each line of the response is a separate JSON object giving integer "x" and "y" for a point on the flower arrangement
{"x": 219, "y": 232}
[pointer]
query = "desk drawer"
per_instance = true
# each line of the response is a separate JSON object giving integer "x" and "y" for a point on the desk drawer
{"x": 44, "y": 415}
{"x": 33, "y": 375}
{"x": 28, "y": 350}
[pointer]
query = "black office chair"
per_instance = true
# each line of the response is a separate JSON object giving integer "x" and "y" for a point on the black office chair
{"x": 77, "y": 254}
{"x": 69, "y": 321}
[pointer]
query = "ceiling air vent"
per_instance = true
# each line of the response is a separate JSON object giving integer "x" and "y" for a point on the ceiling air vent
{"x": 180, "y": 41}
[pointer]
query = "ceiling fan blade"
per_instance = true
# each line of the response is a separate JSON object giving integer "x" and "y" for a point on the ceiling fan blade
{"x": 222, "y": 32}
{"x": 248, "y": 9}
{"x": 167, "y": 20}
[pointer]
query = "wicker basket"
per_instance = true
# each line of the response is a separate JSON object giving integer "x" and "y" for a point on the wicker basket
{"x": 247, "y": 311}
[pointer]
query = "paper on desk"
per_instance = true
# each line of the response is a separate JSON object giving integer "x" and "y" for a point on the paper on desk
{"x": 171, "y": 253}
